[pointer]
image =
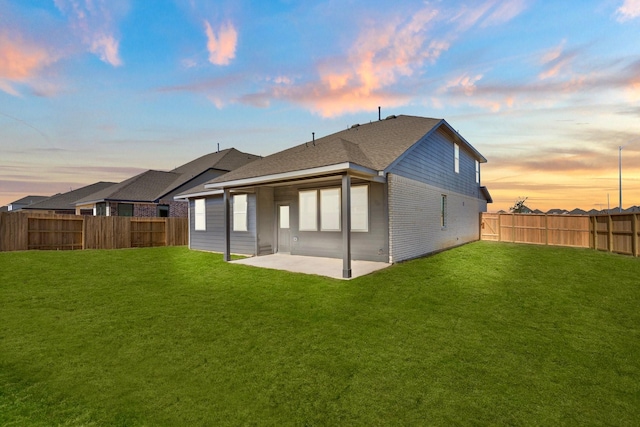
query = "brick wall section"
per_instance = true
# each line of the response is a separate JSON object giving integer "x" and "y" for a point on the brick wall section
{"x": 414, "y": 219}
{"x": 148, "y": 210}
{"x": 178, "y": 209}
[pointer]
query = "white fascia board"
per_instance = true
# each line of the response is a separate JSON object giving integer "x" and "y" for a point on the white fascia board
{"x": 305, "y": 173}
{"x": 185, "y": 197}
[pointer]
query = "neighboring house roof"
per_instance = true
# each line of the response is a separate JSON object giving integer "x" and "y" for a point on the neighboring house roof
{"x": 4, "y": 208}
{"x": 375, "y": 146}
{"x": 67, "y": 200}
{"x": 152, "y": 185}
{"x": 29, "y": 200}
{"x": 225, "y": 160}
{"x": 578, "y": 211}
{"x": 144, "y": 187}
{"x": 557, "y": 212}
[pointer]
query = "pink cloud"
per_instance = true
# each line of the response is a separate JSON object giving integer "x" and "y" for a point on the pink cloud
{"x": 630, "y": 9}
{"x": 20, "y": 61}
{"x": 378, "y": 58}
{"x": 94, "y": 21}
{"x": 221, "y": 47}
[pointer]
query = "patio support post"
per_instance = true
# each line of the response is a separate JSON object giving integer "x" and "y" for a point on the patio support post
{"x": 227, "y": 225}
{"x": 346, "y": 226}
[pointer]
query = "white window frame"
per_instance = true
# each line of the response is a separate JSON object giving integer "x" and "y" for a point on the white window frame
{"x": 240, "y": 217}
{"x": 360, "y": 208}
{"x": 456, "y": 158}
{"x": 330, "y": 209}
{"x": 477, "y": 172}
{"x": 199, "y": 215}
{"x": 308, "y": 210}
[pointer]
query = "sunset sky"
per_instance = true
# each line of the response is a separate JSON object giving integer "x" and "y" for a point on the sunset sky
{"x": 100, "y": 90}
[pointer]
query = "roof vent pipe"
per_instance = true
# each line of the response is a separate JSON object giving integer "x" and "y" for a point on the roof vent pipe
{"x": 218, "y": 147}
{"x": 379, "y": 116}
{"x": 313, "y": 138}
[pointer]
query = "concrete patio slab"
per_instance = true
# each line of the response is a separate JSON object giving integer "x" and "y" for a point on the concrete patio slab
{"x": 329, "y": 267}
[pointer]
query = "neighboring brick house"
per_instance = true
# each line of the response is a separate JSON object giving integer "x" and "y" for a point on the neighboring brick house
{"x": 386, "y": 191}
{"x": 151, "y": 193}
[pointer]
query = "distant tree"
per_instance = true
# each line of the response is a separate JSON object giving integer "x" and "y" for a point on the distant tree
{"x": 519, "y": 206}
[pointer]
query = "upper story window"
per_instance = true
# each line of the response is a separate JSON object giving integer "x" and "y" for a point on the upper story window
{"x": 456, "y": 158}
{"x": 200, "y": 215}
{"x": 477, "y": 172}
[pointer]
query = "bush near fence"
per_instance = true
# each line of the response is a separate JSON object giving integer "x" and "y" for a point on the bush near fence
{"x": 619, "y": 233}
{"x": 20, "y": 231}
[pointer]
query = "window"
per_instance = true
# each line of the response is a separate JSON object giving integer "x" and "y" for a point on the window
{"x": 163, "y": 211}
{"x": 240, "y": 212}
{"x": 308, "y": 210}
{"x": 200, "y": 215}
{"x": 443, "y": 211}
{"x": 477, "y": 172}
{"x": 360, "y": 208}
{"x": 125, "y": 209}
{"x": 101, "y": 209}
{"x": 284, "y": 217}
{"x": 330, "y": 209}
{"x": 456, "y": 158}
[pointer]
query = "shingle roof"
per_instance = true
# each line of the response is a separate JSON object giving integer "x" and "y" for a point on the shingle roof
{"x": 67, "y": 200}
{"x": 29, "y": 200}
{"x": 374, "y": 145}
{"x": 225, "y": 160}
{"x": 152, "y": 185}
{"x": 144, "y": 187}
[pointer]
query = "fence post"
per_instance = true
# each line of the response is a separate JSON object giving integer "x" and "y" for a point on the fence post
{"x": 634, "y": 233}
{"x": 610, "y": 230}
{"x": 593, "y": 222}
{"x": 499, "y": 227}
{"x": 513, "y": 227}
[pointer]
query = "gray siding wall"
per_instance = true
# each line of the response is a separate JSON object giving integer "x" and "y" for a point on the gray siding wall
{"x": 414, "y": 218}
{"x": 432, "y": 162}
{"x": 368, "y": 246}
{"x": 242, "y": 242}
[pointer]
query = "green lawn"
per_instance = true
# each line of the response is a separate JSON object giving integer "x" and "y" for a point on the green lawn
{"x": 483, "y": 334}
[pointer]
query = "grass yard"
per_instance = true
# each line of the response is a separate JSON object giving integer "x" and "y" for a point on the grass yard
{"x": 487, "y": 333}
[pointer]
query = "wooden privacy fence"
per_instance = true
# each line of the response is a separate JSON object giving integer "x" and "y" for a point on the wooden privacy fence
{"x": 21, "y": 231}
{"x": 618, "y": 233}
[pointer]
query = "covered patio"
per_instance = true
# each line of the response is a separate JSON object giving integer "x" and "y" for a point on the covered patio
{"x": 328, "y": 267}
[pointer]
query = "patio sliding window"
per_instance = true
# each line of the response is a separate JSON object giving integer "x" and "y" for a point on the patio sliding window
{"x": 240, "y": 212}
{"x": 330, "y": 209}
{"x": 199, "y": 215}
{"x": 329, "y": 204}
{"x": 308, "y": 202}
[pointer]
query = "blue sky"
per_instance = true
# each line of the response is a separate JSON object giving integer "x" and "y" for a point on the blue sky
{"x": 99, "y": 90}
